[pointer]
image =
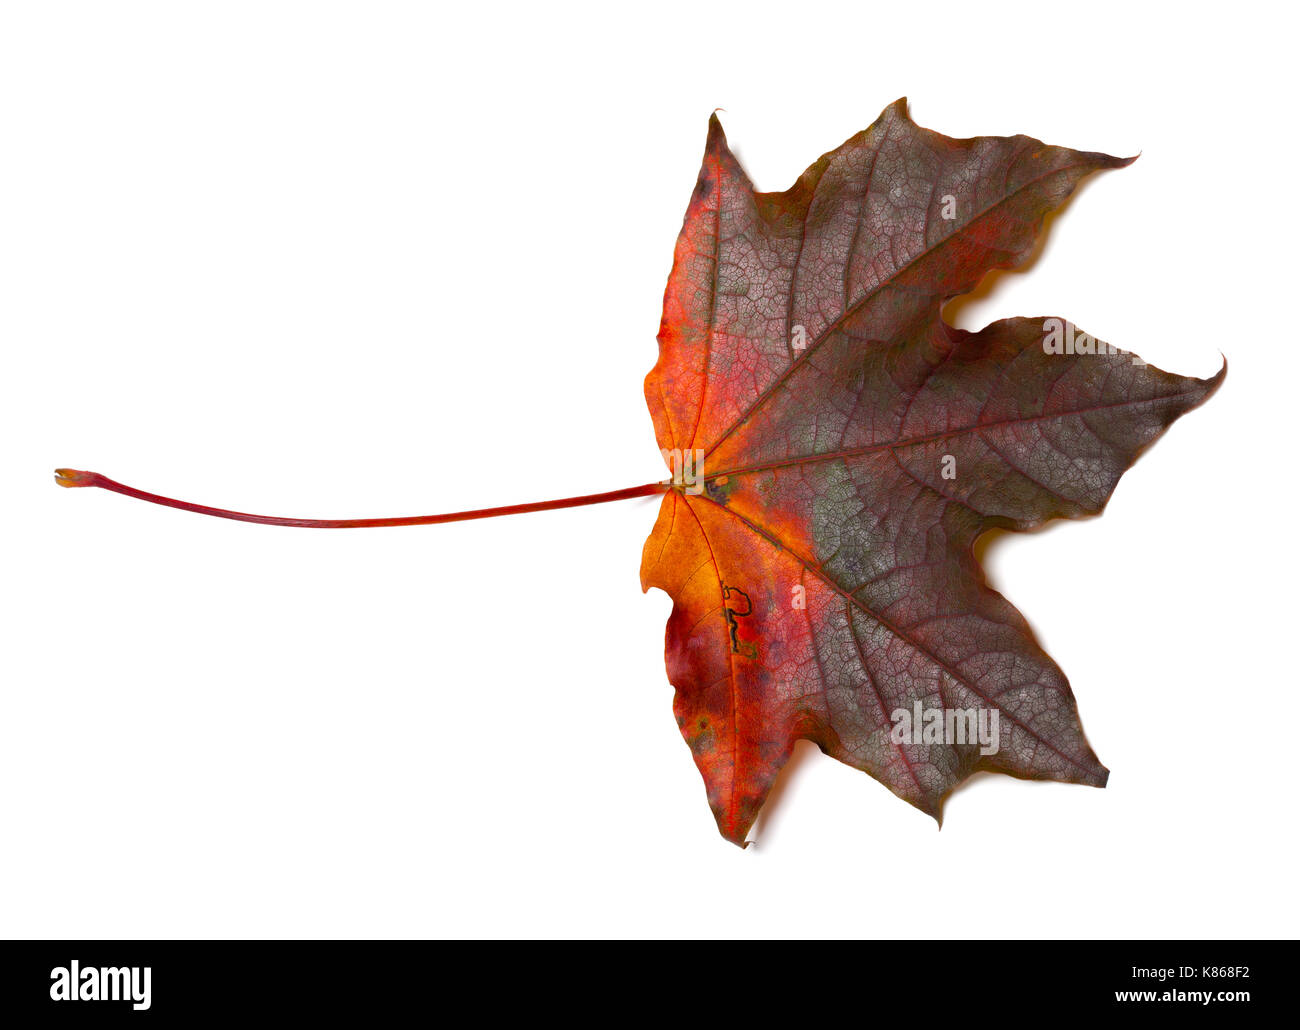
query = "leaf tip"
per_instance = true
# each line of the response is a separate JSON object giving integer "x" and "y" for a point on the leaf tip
{"x": 897, "y": 109}
{"x": 733, "y": 833}
{"x": 1216, "y": 380}
{"x": 1210, "y": 385}
{"x": 716, "y": 134}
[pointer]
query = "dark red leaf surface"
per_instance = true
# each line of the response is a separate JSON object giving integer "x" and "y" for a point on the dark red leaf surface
{"x": 854, "y": 447}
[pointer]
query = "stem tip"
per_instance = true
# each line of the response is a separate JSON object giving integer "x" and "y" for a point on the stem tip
{"x": 75, "y": 477}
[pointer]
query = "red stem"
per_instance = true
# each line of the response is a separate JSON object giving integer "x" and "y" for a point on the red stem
{"x": 73, "y": 477}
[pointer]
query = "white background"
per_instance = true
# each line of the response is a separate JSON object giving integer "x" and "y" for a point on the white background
{"x": 377, "y": 259}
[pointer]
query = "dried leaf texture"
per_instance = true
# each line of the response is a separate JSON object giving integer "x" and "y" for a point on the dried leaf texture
{"x": 854, "y": 446}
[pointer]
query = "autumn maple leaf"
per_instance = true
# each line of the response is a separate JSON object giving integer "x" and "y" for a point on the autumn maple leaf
{"x": 837, "y": 450}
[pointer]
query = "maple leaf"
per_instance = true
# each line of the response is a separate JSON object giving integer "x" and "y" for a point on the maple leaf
{"x": 837, "y": 450}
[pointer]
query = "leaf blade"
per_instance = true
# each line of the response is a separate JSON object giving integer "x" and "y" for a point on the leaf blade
{"x": 823, "y": 578}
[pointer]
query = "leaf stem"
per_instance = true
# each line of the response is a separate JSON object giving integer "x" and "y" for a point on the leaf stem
{"x": 76, "y": 478}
